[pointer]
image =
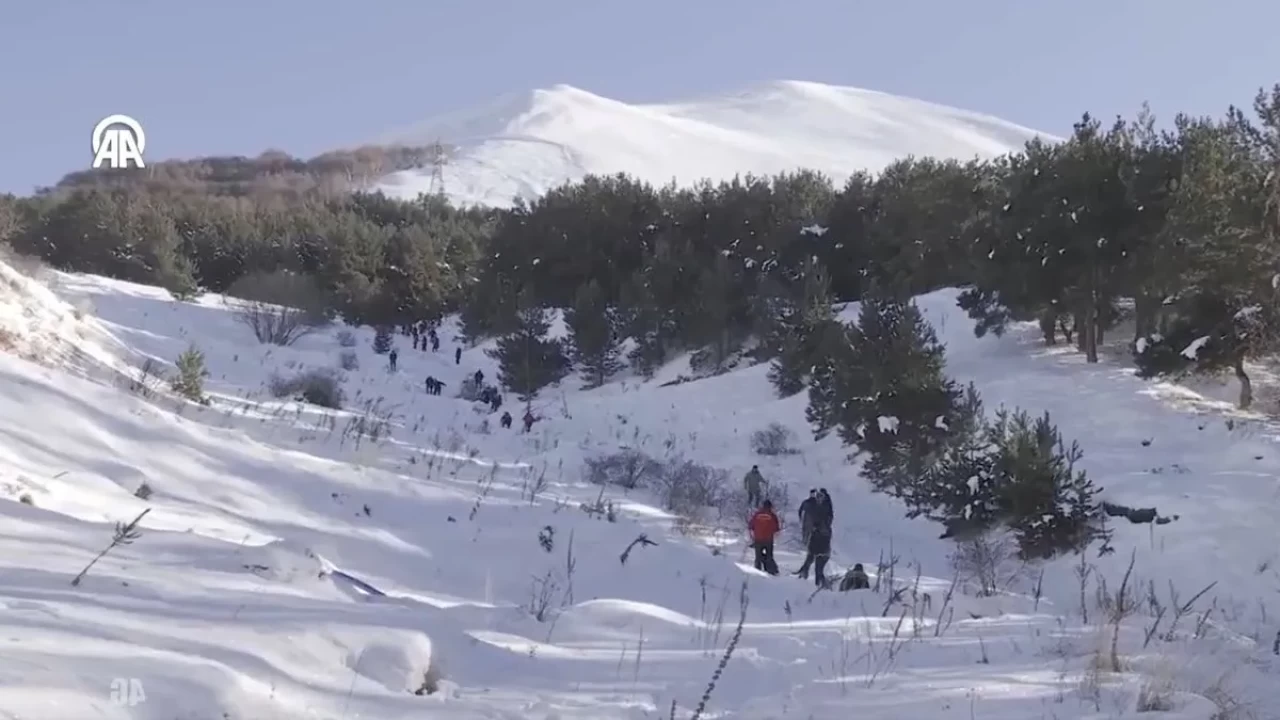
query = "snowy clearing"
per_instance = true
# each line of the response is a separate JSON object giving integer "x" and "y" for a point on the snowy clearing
{"x": 290, "y": 566}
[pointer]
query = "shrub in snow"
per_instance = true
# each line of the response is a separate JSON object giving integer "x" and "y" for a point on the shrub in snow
{"x": 775, "y": 439}
{"x": 189, "y": 382}
{"x": 348, "y": 360}
{"x": 382, "y": 340}
{"x": 318, "y": 386}
{"x": 346, "y": 338}
{"x": 735, "y": 507}
{"x": 688, "y": 488}
{"x": 279, "y": 307}
{"x": 990, "y": 561}
{"x": 469, "y": 389}
{"x": 627, "y": 468}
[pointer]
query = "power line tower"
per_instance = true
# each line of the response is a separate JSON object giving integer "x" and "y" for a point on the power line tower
{"x": 439, "y": 157}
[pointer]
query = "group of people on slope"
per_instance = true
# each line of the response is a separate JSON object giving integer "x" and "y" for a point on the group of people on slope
{"x": 816, "y": 518}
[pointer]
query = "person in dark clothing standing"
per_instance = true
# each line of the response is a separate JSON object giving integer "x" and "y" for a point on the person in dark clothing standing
{"x": 506, "y": 419}
{"x": 479, "y": 378}
{"x": 808, "y": 515}
{"x": 764, "y": 526}
{"x": 826, "y": 514}
{"x": 820, "y": 553}
{"x": 457, "y": 356}
{"x": 435, "y": 342}
{"x": 393, "y": 357}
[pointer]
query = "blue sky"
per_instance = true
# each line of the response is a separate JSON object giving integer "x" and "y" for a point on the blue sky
{"x": 240, "y": 76}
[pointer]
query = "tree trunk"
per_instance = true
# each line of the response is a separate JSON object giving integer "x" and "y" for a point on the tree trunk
{"x": 1246, "y": 385}
{"x": 1048, "y": 321}
{"x": 1089, "y": 335}
{"x": 1144, "y": 316}
{"x": 1078, "y": 321}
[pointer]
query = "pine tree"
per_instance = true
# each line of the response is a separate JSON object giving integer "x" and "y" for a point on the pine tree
{"x": 527, "y": 359}
{"x": 885, "y": 392}
{"x": 594, "y": 343}
{"x": 961, "y": 489}
{"x": 802, "y": 332}
{"x": 382, "y": 340}
{"x": 189, "y": 382}
{"x": 1051, "y": 506}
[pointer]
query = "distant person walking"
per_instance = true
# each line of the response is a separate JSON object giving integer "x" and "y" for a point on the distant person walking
{"x": 754, "y": 484}
{"x": 457, "y": 356}
{"x": 506, "y": 419}
{"x": 393, "y": 357}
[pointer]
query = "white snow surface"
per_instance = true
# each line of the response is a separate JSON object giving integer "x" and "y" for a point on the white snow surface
{"x": 284, "y": 572}
{"x": 524, "y": 144}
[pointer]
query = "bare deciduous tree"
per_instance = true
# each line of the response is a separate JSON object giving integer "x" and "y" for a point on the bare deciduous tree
{"x": 279, "y": 307}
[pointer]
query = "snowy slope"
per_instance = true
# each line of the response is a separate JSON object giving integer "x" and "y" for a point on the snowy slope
{"x": 523, "y": 145}
{"x": 285, "y": 572}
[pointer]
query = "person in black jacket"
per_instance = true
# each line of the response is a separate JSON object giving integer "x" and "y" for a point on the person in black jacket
{"x": 817, "y": 553}
{"x": 826, "y": 514}
{"x": 808, "y": 515}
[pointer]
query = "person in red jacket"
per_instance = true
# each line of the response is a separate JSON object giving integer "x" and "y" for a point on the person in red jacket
{"x": 764, "y": 526}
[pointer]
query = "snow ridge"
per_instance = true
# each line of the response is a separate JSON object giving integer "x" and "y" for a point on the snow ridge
{"x": 522, "y": 145}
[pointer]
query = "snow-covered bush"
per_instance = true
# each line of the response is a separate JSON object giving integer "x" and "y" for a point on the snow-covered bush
{"x": 990, "y": 561}
{"x": 348, "y": 360}
{"x": 627, "y": 468}
{"x": 346, "y": 338}
{"x": 688, "y": 488}
{"x": 774, "y": 439}
{"x": 318, "y": 386}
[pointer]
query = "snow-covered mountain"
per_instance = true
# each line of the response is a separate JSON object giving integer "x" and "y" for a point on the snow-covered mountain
{"x": 524, "y": 144}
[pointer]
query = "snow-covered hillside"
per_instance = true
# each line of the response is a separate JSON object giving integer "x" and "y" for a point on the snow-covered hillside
{"x": 525, "y": 144}
{"x": 294, "y": 562}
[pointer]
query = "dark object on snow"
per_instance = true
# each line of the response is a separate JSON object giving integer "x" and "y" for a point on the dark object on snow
{"x": 434, "y": 386}
{"x": 1138, "y": 516}
{"x": 457, "y": 356}
{"x": 529, "y": 420}
{"x": 479, "y": 378}
{"x": 855, "y": 579}
{"x": 643, "y": 541}
{"x": 764, "y": 557}
{"x": 818, "y": 553}
{"x": 393, "y": 357}
{"x": 506, "y": 419}
{"x": 754, "y": 483}
{"x": 807, "y": 516}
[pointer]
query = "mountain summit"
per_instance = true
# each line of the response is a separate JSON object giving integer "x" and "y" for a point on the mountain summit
{"x": 525, "y": 144}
